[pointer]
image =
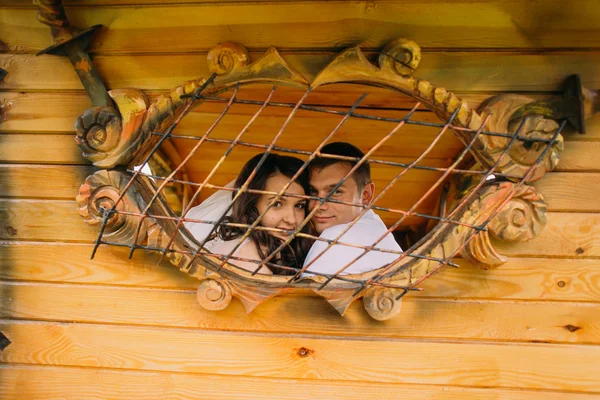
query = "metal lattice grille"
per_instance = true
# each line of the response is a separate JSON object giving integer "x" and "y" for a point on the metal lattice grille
{"x": 350, "y": 113}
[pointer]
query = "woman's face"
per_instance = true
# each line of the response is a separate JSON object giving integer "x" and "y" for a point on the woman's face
{"x": 287, "y": 212}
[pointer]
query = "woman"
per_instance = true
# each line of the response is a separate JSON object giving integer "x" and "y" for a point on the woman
{"x": 285, "y": 214}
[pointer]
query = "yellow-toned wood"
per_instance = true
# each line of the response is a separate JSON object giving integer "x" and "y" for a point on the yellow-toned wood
{"x": 42, "y": 181}
{"x": 49, "y": 382}
{"x": 565, "y": 235}
{"x": 570, "y": 191}
{"x": 519, "y": 278}
{"x": 41, "y": 112}
{"x": 580, "y": 156}
{"x": 457, "y": 72}
{"x": 48, "y": 220}
{"x": 34, "y": 148}
{"x": 62, "y": 262}
{"x": 326, "y": 25}
{"x": 423, "y": 362}
{"x": 419, "y": 318}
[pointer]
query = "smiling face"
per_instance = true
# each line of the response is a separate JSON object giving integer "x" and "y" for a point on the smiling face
{"x": 287, "y": 212}
{"x": 322, "y": 181}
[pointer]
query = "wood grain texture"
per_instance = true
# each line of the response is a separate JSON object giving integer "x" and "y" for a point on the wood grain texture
{"x": 423, "y": 362}
{"x": 565, "y": 235}
{"x": 48, "y": 220}
{"x": 327, "y": 25}
{"x": 580, "y": 156}
{"x": 54, "y": 383}
{"x": 519, "y": 278}
{"x": 40, "y": 149}
{"x": 456, "y": 71}
{"x": 42, "y": 181}
{"x": 57, "y": 220}
{"x": 570, "y": 191}
{"x": 62, "y": 262}
{"x": 293, "y": 314}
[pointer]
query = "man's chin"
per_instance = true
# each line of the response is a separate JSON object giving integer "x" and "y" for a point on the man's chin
{"x": 320, "y": 227}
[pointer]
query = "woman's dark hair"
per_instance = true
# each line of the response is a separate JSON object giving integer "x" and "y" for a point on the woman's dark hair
{"x": 244, "y": 211}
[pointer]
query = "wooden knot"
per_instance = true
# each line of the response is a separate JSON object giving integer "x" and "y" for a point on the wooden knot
{"x": 304, "y": 352}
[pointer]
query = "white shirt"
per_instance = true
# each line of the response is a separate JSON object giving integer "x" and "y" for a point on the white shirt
{"x": 366, "y": 231}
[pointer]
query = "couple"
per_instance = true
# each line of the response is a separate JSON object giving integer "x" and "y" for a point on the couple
{"x": 329, "y": 221}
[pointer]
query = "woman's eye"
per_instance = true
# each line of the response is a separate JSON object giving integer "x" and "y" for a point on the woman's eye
{"x": 301, "y": 206}
{"x": 277, "y": 204}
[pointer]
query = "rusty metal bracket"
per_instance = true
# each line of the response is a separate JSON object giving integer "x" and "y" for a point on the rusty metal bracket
{"x": 72, "y": 42}
{"x": 570, "y": 106}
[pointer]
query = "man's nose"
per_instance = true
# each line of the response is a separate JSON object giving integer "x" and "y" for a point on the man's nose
{"x": 323, "y": 206}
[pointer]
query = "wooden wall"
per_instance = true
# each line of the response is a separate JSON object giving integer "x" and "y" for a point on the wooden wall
{"x": 113, "y": 328}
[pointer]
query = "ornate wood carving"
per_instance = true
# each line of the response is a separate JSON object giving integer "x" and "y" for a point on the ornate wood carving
{"x": 509, "y": 210}
{"x": 100, "y": 192}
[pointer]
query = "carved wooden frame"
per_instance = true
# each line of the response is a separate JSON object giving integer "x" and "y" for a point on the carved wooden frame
{"x": 512, "y": 210}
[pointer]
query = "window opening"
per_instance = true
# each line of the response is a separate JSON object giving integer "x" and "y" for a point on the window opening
{"x": 352, "y": 112}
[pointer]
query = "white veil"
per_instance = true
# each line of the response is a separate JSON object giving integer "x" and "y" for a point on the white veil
{"x": 211, "y": 209}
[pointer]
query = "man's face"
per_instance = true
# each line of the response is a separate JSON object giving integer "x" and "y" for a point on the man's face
{"x": 331, "y": 214}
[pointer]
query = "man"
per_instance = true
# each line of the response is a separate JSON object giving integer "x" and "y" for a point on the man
{"x": 331, "y": 219}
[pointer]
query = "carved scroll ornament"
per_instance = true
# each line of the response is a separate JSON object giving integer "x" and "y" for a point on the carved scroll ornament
{"x": 507, "y": 210}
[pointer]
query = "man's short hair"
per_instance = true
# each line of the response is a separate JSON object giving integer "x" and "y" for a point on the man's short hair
{"x": 361, "y": 176}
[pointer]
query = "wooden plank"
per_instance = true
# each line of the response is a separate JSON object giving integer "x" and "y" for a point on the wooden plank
{"x": 580, "y": 156}
{"x": 62, "y": 262}
{"x": 456, "y": 71}
{"x": 519, "y": 278}
{"x": 51, "y": 382}
{"x": 42, "y": 181}
{"x": 40, "y": 112}
{"x": 49, "y": 220}
{"x": 565, "y": 235}
{"x": 47, "y": 149}
{"x": 421, "y": 318}
{"x": 189, "y": 28}
{"x": 570, "y": 191}
{"x": 505, "y": 365}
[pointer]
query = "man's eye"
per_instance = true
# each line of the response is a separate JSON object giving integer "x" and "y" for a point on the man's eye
{"x": 337, "y": 192}
{"x": 312, "y": 192}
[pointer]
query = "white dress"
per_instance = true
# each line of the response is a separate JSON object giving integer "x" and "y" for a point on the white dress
{"x": 212, "y": 209}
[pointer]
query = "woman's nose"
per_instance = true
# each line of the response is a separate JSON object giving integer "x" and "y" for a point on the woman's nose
{"x": 290, "y": 217}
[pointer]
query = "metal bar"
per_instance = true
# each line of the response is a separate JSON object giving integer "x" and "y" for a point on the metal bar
{"x": 181, "y": 164}
{"x": 246, "y": 184}
{"x": 341, "y": 182}
{"x": 377, "y": 118}
{"x": 431, "y": 189}
{"x": 301, "y": 169}
{"x": 268, "y": 229}
{"x": 464, "y": 201}
{"x": 205, "y": 183}
{"x": 342, "y": 158}
{"x": 497, "y": 208}
{"x": 158, "y": 144}
{"x": 385, "y": 189}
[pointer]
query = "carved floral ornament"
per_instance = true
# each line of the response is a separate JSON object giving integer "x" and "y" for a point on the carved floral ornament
{"x": 128, "y": 211}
